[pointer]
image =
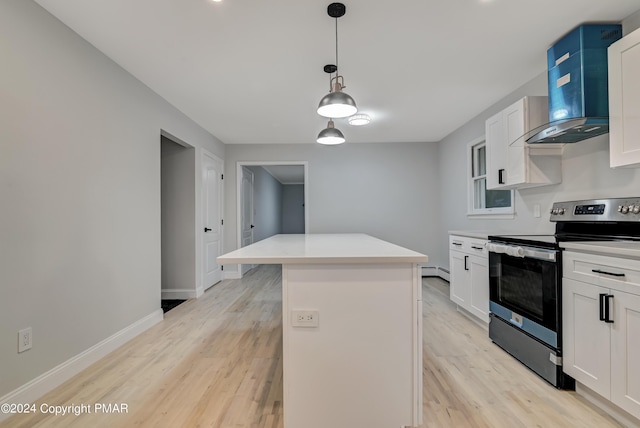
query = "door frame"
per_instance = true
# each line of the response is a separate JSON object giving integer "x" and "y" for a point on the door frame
{"x": 239, "y": 166}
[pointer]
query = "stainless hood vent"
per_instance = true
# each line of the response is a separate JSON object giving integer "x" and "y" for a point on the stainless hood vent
{"x": 568, "y": 131}
{"x": 578, "y": 86}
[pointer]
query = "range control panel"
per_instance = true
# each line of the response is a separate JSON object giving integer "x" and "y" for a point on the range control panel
{"x": 616, "y": 209}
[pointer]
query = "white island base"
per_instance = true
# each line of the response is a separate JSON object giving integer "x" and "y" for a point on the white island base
{"x": 352, "y": 329}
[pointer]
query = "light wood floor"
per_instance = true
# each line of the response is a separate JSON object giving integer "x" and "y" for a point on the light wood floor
{"x": 216, "y": 362}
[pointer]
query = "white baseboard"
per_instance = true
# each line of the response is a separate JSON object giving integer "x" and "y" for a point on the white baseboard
{"x": 178, "y": 294}
{"x": 443, "y": 273}
{"x": 607, "y": 406}
{"x": 435, "y": 271}
{"x": 36, "y": 388}
{"x": 429, "y": 271}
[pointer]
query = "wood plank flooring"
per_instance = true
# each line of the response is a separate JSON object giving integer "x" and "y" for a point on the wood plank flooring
{"x": 216, "y": 362}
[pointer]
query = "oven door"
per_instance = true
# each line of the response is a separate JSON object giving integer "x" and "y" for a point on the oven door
{"x": 524, "y": 288}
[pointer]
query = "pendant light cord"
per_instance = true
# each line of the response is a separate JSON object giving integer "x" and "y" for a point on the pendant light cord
{"x": 337, "y": 72}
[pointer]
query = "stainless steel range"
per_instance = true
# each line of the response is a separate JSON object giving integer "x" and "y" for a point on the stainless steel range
{"x": 525, "y": 280}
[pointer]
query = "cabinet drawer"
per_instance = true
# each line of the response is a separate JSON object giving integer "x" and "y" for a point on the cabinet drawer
{"x": 615, "y": 273}
{"x": 468, "y": 245}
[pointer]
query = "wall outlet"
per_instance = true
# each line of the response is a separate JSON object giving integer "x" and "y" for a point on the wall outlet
{"x": 24, "y": 339}
{"x": 305, "y": 318}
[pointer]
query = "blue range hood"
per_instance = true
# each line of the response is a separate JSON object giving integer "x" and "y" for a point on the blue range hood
{"x": 578, "y": 81}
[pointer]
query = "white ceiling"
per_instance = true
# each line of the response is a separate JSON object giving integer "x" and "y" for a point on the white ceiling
{"x": 286, "y": 174}
{"x": 251, "y": 71}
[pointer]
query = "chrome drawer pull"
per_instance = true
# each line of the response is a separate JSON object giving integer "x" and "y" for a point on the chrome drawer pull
{"x": 607, "y": 273}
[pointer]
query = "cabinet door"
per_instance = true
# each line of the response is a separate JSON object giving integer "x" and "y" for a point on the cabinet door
{"x": 459, "y": 284}
{"x": 514, "y": 118}
{"x": 586, "y": 339}
{"x": 479, "y": 293}
{"x": 625, "y": 352}
{"x": 496, "y": 152}
{"x": 624, "y": 101}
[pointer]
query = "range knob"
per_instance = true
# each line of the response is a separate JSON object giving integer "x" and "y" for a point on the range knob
{"x": 623, "y": 209}
{"x": 636, "y": 209}
{"x": 561, "y": 211}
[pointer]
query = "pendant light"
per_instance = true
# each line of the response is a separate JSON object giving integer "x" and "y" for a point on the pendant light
{"x": 330, "y": 135}
{"x": 336, "y": 104}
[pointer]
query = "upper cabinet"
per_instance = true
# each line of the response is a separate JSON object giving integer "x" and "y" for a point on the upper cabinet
{"x": 624, "y": 101}
{"x": 513, "y": 164}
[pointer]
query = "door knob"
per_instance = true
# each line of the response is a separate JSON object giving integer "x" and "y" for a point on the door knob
{"x": 206, "y": 229}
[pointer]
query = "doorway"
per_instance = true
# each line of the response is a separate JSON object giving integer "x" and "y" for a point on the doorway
{"x": 272, "y": 199}
{"x": 177, "y": 219}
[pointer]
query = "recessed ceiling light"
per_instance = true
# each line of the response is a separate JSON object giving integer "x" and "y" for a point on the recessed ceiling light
{"x": 359, "y": 119}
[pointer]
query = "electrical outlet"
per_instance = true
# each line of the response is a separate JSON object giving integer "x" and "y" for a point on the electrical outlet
{"x": 24, "y": 339}
{"x": 306, "y": 318}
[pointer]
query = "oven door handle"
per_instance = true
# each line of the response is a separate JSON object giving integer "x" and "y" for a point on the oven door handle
{"x": 520, "y": 251}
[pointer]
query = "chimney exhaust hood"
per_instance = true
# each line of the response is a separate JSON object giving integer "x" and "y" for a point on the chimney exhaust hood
{"x": 578, "y": 79}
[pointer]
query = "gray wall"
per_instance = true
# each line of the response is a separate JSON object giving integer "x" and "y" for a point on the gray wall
{"x": 293, "y": 208}
{"x": 389, "y": 190}
{"x": 267, "y": 204}
{"x": 80, "y": 191}
{"x": 585, "y": 174}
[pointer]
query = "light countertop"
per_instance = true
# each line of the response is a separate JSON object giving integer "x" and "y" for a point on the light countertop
{"x": 322, "y": 248}
{"x": 478, "y": 234}
{"x": 614, "y": 248}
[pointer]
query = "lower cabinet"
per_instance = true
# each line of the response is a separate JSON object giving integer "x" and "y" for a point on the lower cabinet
{"x": 601, "y": 326}
{"x": 469, "y": 275}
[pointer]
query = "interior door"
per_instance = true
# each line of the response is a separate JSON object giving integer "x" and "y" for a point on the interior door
{"x": 246, "y": 227}
{"x": 212, "y": 219}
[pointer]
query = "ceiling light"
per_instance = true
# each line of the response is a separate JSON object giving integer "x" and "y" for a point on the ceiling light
{"x": 359, "y": 119}
{"x": 336, "y": 104}
{"x": 330, "y": 135}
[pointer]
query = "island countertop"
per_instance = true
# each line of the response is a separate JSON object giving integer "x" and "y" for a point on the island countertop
{"x": 322, "y": 248}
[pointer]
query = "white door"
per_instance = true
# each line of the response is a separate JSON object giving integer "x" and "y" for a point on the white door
{"x": 625, "y": 352}
{"x": 212, "y": 219}
{"x": 459, "y": 288}
{"x": 246, "y": 227}
{"x": 624, "y": 101}
{"x": 586, "y": 339}
{"x": 479, "y": 293}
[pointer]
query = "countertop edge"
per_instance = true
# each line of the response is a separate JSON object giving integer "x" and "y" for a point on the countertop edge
{"x": 323, "y": 260}
{"x": 476, "y": 234}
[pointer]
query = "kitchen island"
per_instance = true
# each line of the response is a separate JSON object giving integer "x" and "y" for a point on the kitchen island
{"x": 352, "y": 328}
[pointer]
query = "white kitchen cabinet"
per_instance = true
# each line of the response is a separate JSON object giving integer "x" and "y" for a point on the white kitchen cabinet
{"x": 624, "y": 101}
{"x": 601, "y": 326}
{"x": 513, "y": 164}
{"x": 469, "y": 275}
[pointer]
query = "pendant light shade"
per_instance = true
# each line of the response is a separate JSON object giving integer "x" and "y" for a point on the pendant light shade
{"x": 336, "y": 104}
{"x": 330, "y": 135}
